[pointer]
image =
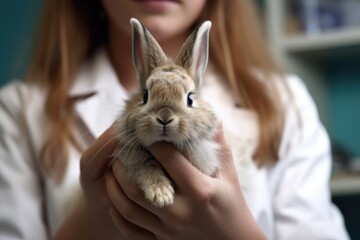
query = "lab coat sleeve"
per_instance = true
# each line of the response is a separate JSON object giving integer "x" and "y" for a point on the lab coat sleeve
{"x": 21, "y": 203}
{"x": 302, "y": 200}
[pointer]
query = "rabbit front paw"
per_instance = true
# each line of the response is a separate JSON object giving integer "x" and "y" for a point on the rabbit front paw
{"x": 156, "y": 186}
{"x": 160, "y": 192}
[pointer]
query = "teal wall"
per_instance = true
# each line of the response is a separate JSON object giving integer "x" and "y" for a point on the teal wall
{"x": 261, "y": 3}
{"x": 343, "y": 78}
{"x": 17, "y": 25}
{"x": 344, "y": 102}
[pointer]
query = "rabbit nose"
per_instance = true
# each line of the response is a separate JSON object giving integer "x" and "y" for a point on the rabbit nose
{"x": 165, "y": 116}
{"x": 164, "y": 122}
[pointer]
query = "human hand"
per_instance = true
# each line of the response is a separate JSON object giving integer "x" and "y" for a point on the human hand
{"x": 91, "y": 219}
{"x": 95, "y": 162}
{"x": 205, "y": 207}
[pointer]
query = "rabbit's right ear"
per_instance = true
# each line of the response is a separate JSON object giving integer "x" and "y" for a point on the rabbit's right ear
{"x": 194, "y": 53}
{"x": 147, "y": 53}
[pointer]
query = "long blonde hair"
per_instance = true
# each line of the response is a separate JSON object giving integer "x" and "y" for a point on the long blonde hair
{"x": 72, "y": 30}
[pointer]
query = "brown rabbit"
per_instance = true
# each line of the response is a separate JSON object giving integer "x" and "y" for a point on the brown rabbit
{"x": 167, "y": 107}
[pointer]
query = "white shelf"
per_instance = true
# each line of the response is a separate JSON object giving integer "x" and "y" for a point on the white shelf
{"x": 307, "y": 56}
{"x": 330, "y": 40}
{"x": 345, "y": 185}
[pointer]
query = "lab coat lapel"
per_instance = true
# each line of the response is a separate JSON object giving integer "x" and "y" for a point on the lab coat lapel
{"x": 100, "y": 96}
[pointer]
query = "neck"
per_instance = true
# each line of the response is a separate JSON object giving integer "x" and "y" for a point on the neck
{"x": 120, "y": 52}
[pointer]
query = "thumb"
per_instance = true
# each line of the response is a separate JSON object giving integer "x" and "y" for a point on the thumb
{"x": 97, "y": 157}
{"x": 225, "y": 153}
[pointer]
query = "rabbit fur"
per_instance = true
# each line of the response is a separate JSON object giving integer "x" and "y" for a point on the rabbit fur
{"x": 167, "y": 107}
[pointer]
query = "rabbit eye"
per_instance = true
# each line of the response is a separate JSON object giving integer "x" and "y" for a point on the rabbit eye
{"x": 146, "y": 96}
{"x": 190, "y": 99}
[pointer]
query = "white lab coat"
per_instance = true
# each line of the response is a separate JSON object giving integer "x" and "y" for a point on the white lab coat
{"x": 292, "y": 199}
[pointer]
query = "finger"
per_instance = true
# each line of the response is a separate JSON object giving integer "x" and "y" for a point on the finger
{"x": 131, "y": 189}
{"x": 179, "y": 211}
{"x": 227, "y": 168}
{"x": 128, "y": 209}
{"x": 133, "y": 192}
{"x": 95, "y": 160}
{"x": 180, "y": 169}
{"x": 225, "y": 152}
{"x": 129, "y": 230}
{"x": 186, "y": 177}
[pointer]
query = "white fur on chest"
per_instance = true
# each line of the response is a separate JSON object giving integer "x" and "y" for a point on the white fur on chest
{"x": 204, "y": 155}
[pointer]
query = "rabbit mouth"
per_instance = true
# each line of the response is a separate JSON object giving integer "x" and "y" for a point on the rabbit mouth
{"x": 164, "y": 132}
{"x": 164, "y": 137}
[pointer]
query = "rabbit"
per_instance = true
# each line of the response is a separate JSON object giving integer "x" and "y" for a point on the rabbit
{"x": 167, "y": 107}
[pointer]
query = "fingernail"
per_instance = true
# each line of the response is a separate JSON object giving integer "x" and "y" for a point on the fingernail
{"x": 220, "y": 126}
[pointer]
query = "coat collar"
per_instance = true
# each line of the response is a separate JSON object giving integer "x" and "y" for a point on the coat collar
{"x": 105, "y": 95}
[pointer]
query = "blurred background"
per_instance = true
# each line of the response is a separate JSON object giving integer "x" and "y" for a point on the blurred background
{"x": 18, "y": 21}
{"x": 319, "y": 40}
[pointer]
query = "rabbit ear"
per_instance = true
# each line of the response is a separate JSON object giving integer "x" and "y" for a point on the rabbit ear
{"x": 194, "y": 53}
{"x": 147, "y": 53}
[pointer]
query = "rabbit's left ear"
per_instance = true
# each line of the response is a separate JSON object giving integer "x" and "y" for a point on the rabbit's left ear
{"x": 194, "y": 53}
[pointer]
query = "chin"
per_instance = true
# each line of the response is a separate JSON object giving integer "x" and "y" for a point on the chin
{"x": 161, "y": 27}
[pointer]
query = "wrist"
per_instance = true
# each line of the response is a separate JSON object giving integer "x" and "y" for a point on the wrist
{"x": 252, "y": 230}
